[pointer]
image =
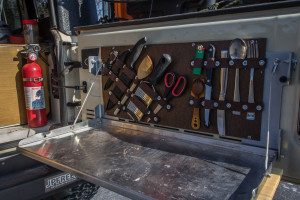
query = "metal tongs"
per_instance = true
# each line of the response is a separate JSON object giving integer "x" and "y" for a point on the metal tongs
{"x": 252, "y": 52}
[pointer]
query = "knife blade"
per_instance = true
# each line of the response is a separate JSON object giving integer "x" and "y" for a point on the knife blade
{"x": 134, "y": 55}
{"x": 223, "y": 84}
{"x": 208, "y": 84}
{"x": 116, "y": 67}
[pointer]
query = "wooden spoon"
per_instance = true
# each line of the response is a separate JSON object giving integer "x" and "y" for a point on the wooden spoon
{"x": 144, "y": 70}
{"x": 197, "y": 89}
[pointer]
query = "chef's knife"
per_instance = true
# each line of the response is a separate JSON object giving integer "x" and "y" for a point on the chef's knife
{"x": 208, "y": 85}
{"x": 223, "y": 83}
{"x": 135, "y": 53}
{"x": 116, "y": 67}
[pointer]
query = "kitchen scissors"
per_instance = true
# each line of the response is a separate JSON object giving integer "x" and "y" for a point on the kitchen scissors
{"x": 174, "y": 86}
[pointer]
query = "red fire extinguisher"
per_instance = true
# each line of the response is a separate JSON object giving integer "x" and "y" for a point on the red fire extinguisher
{"x": 34, "y": 90}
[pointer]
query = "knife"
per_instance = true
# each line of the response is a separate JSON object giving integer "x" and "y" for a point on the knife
{"x": 109, "y": 62}
{"x": 116, "y": 67}
{"x": 208, "y": 85}
{"x": 223, "y": 83}
{"x": 134, "y": 55}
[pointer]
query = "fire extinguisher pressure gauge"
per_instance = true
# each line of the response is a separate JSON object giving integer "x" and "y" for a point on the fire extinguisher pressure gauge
{"x": 32, "y": 57}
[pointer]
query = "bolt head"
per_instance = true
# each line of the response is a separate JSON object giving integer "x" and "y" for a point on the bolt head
{"x": 231, "y": 62}
{"x": 259, "y": 107}
{"x": 155, "y": 119}
{"x": 168, "y": 107}
{"x": 245, "y": 107}
{"x": 245, "y": 63}
{"x": 228, "y": 105}
{"x": 216, "y": 104}
{"x": 203, "y": 103}
{"x": 217, "y": 63}
{"x": 191, "y": 102}
{"x": 158, "y": 98}
{"x": 261, "y": 63}
{"x": 192, "y": 63}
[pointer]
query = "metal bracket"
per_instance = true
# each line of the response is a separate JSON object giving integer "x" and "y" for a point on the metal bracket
{"x": 94, "y": 63}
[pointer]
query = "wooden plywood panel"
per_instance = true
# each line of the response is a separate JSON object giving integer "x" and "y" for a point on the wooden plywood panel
{"x": 12, "y": 105}
{"x": 12, "y": 101}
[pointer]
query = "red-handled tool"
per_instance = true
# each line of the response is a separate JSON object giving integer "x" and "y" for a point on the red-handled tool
{"x": 174, "y": 88}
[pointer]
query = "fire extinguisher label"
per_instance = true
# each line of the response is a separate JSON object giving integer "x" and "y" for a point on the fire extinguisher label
{"x": 34, "y": 97}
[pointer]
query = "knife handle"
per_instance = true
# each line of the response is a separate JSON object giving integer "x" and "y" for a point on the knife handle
{"x": 196, "y": 119}
{"x": 160, "y": 69}
{"x": 125, "y": 98}
{"x": 209, "y": 72}
{"x": 136, "y": 51}
{"x": 251, "y": 87}
{"x": 223, "y": 82}
{"x": 236, "y": 97}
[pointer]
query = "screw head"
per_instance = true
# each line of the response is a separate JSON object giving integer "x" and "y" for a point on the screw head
{"x": 192, "y": 63}
{"x": 203, "y": 103}
{"x": 205, "y": 63}
{"x": 217, "y": 63}
{"x": 119, "y": 102}
{"x": 245, "y": 107}
{"x": 245, "y": 63}
{"x": 191, "y": 102}
{"x": 168, "y": 107}
{"x": 145, "y": 46}
{"x": 109, "y": 92}
{"x": 228, "y": 105}
{"x": 148, "y": 112}
{"x": 155, "y": 119}
{"x": 109, "y": 73}
{"x": 117, "y": 79}
{"x": 158, "y": 98}
{"x": 259, "y": 107}
{"x": 231, "y": 62}
{"x": 216, "y": 104}
{"x": 261, "y": 63}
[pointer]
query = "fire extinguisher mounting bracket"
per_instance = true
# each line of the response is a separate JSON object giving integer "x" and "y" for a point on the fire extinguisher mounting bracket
{"x": 35, "y": 79}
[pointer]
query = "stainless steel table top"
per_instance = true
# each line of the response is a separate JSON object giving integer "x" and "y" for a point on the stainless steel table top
{"x": 145, "y": 165}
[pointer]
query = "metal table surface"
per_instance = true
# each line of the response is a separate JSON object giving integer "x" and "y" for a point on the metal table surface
{"x": 150, "y": 163}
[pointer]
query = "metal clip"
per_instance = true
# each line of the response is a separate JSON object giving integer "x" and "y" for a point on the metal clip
{"x": 294, "y": 63}
{"x": 275, "y": 66}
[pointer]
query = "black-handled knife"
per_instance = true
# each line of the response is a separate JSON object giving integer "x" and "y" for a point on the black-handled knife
{"x": 160, "y": 69}
{"x": 136, "y": 52}
{"x": 134, "y": 55}
{"x": 116, "y": 67}
{"x": 208, "y": 85}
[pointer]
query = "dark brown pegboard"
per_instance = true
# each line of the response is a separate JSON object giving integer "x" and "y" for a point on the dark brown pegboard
{"x": 181, "y": 113}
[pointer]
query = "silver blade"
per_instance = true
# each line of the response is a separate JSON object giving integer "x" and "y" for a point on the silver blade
{"x": 221, "y": 122}
{"x": 206, "y": 111}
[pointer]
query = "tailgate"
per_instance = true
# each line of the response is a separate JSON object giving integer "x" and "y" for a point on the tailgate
{"x": 143, "y": 163}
